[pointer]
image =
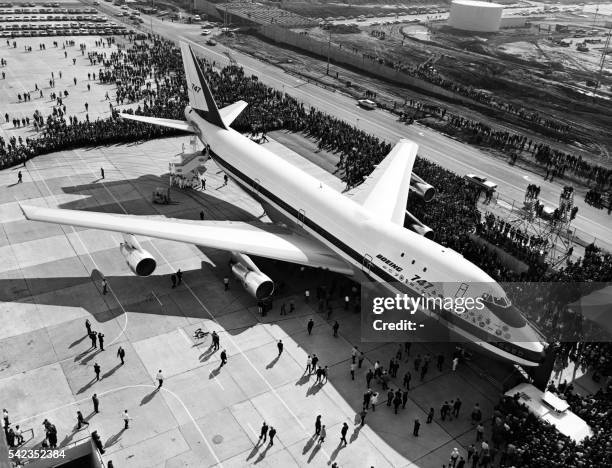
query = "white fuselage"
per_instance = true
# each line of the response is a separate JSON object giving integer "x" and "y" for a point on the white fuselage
{"x": 384, "y": 251}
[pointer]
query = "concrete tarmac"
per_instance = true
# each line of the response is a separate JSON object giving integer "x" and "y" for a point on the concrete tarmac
{"x": 204, "y": 415}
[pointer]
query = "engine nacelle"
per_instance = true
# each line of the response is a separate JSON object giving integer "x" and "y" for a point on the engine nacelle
{"x": 254, "y": 281}
{"x": 412, "y": 222}
{"x": 138, "y": 259}
{"x": 424, "y": 190}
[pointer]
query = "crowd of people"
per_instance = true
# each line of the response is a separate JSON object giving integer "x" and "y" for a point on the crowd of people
{"x": 149, "y": 74}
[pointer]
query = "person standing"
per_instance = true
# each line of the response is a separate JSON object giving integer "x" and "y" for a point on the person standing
{"x": 374, "y": 400}
{"x": 94, "y": 339}
{"x": 397, "y": 401}
{"x": 97, "y": 371}
{"x": 455, "y": 363}
{"x": 126, "y": 419}
{"x": 457, "y": 407}
{"x": 415, "y": 429}
{"x": 215, "y": 341}
{"x": 102, "y": 173}
{"x": 309, "y": 326}
{"x": 360, "y": 359}
{"x": 264, "y": 432}
{"x": 179, "y": 277}
{"x": 315, "y": 361}
{"x": 96, "y": 403}
{"x": 271, "y": 434}
{"x": 279, "y": 345}
{"x": 308, "y": 365}
{"x": 101, "y": 341}
{"x": 226, "y": 283}
{"x": 430, "y": 416}
{"x": 354, "y": 352}
{"x": 367, "y": 396}
{"x": 121, "y": 354}
{"x": 343, "y": 433}
{"x": 479, "y": 432}
{"x": 353, "y": 366}
{"x": 335, "y": 328}
{"x": 223, "y": 358}
{"x": 81, "y": 420}
{"x": 160, "y": 379}
{"x": 454, "y": 456}
{"x": 88, "y": 326}
{"x": 19, "y": 177}
{"x": 318, "y": 425}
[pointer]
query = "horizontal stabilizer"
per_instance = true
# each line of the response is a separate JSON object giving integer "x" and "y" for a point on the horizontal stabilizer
{"x": 231, "y": 112}
{"x": 170, "y": 123}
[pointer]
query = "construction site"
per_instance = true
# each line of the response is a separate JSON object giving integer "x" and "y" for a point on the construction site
{"x": 550, "y": 60}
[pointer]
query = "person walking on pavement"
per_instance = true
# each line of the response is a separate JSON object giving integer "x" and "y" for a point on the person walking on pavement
{"x": 96, "y": 403}
{"x": 457, "y": 407}
{"x": 121, "y": 354}
{"x": 279, "y": 345}
{"x": 160, "y": 379}
{"x": 430, "y": 416}
{"x": 173, "y": 279}
{"x": 88, "y": 326}
{"x": 179, "y": 277}
{"x": 353, "y": 366}
{"x": 97, "y": 371}
{"x": 308, "y": 365}
{"x": 264, "y": 432}
{"x": 374, "y": 400}
{"x": 215, "y": 341}
{"x": 101, "y": 341}
{"x": 343, "y": 433}
{"x": 318, "y": 425}
{"x": 309, "y": 326}
{"x": 126, "y": 419}
{"x": 271, "y": 434}
{"x": 362, "y": 415}
{"x": 367, "y": 396}
{"x": 335, "y": 328}
{"x": 322, "y": 435}
{"x": 223, "y": 358}
{"x": 81, "y": 420}
{"x": 19, "y": 177}
{"x": 102, "y": 173}
{"x": 360, "y": 359}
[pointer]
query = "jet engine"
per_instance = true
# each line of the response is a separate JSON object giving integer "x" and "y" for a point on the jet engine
{"x": 138, "y": 259}
{"x": 254, "y": 281}
{"x": 424, "y": 190}
{"x": 412, "y": 222}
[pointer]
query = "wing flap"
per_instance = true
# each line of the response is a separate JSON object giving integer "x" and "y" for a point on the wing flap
{"x": 276, "y": 242}
{"x": 385, "y": 190}
{"x": 178, "y": 124}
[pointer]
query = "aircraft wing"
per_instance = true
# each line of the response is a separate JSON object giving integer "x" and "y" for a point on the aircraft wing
{"x": 385, "y": 191}
{"x": 259, "y": 239}
{"x": 178, "y": 124}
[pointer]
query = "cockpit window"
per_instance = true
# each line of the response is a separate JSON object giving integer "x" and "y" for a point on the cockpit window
{"x": 504, "y": 310}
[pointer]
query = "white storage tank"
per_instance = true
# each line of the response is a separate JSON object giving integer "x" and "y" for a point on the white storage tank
{"x": 472, "y": 15}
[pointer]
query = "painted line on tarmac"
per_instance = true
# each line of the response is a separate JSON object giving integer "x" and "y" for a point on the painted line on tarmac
{"x": 82, "y": 400}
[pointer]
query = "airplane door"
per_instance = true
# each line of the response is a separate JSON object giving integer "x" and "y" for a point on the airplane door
{"x": 366, "y": 264}
{"x": 461, "y": 290}
{"x": 301, "y": 217}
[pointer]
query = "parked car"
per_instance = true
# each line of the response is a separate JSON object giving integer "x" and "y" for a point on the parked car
{"x": 210, "y": 42}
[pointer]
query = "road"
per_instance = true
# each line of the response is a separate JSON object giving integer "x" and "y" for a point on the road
{"x": 591, "y": 224}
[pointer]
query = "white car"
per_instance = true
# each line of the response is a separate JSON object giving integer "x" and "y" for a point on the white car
{"x": 480, "y": 181}
{"x": 205, "y": 32}
{"x": 367, "y": 104}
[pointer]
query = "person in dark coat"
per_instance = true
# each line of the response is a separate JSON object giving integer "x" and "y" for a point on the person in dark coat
{"x": 415, "y": 430}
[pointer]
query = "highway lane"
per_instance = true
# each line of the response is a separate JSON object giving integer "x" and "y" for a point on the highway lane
{"x": 592, "y": 224}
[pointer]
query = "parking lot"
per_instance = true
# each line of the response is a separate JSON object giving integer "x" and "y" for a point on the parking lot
{"x": 50, "y": 19}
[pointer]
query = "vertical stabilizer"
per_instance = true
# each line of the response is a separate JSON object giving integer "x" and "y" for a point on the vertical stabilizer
{"x": 200, "y": 97}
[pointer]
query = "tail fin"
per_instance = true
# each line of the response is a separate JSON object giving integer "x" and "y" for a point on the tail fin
{"x": 200, "y": 97}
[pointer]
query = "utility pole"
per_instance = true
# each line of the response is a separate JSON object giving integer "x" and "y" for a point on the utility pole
{"x": 328, "y": 52}
{"x": 602, "y": 61}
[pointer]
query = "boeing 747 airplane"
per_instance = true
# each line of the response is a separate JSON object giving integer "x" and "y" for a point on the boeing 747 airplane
{"x": 359, "y": 233}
